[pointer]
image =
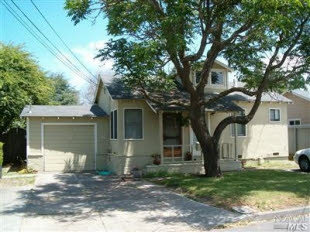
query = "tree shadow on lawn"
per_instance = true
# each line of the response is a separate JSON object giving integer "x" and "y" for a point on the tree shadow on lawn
{"x": 75, "y": 197}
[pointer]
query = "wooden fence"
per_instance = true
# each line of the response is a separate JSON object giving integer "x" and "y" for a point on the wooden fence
{"x": 14, "y": 148}
{"x": 299, "y": 137}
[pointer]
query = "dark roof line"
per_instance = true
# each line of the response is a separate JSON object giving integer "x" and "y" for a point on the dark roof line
{"x": 63, "y": 111}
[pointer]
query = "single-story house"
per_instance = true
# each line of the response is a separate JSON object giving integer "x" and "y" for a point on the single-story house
{"x": 122, "y": 130}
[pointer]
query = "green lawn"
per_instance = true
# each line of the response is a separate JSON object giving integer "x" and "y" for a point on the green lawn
{"x": 262, "y": 190}
{"x": 272, "y": 164}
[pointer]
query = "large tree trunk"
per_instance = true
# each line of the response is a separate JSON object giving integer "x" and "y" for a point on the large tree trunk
{"x": 208, "y": 145}
{"x": 211, "y": 158}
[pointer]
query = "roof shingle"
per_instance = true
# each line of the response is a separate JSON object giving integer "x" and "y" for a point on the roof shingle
{"x": 63, "y": 111}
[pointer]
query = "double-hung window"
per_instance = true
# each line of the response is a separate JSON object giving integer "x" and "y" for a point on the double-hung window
{"x": 133, "y": 124}
{"x": 241, "y": 129}
{"x": 113, "y": 124}
{"x": 294, "y": 122}
{"x": 274, "y": 115}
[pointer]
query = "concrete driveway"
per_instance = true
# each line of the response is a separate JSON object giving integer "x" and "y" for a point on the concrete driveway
{"x": 88, "y": 202}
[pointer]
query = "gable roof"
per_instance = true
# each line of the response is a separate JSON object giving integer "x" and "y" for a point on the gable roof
{"x": 301, "y": 94}
{"x": 266, "y": 97}
{"x": 63, "y": 111}
{"x": 118, "y": 91}
{"x": 223, "y": 65}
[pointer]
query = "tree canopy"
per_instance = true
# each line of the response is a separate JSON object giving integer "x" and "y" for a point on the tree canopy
{"x": 63, "y": 93}
{"x": 22, "y": 82}
{"x": 156, "y": 41}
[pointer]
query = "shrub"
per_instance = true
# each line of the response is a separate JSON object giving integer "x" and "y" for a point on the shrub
{"x": 1, "y": 154}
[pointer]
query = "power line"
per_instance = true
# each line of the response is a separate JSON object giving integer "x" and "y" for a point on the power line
{"x": 61, "y": 58}
{"x": 21, "y": 21}
{"x": 53, "y": 45}
{"x": 33, "y": 33}
{"x": 59, "y": 37}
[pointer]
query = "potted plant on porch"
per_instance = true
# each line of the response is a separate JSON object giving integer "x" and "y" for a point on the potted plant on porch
{"x": 156, "y": 159}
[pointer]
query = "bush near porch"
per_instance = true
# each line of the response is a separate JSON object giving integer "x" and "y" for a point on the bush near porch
{"x": 262, "y": 190}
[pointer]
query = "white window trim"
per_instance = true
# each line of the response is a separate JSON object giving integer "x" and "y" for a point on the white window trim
{"x": 238, "y": 136}
{"x": 224, "y": 78}
{"x": 95, "y": 138}
{"x": 210, "y": 79}
{"x": 133, "y": 139}
{"x": 114, "y": 139}
{"x": 279, "y": 116}
{"x": 294, "y": 119}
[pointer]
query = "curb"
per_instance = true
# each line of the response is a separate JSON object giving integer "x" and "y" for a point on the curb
{"x": 281, "y": 213}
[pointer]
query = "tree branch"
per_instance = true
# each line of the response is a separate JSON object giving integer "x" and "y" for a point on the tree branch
{"x": 229, "y": 91}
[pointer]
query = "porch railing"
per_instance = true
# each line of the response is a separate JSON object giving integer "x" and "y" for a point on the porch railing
{"x": 180, "y": 153}
{"x": 192, "y": 153}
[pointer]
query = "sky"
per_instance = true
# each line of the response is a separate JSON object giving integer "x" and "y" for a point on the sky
{"x": 84, "y": 39}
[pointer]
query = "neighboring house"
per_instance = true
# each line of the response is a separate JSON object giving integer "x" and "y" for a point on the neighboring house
{"x": 126, "y": 130}
{"x": 298, "y": 114}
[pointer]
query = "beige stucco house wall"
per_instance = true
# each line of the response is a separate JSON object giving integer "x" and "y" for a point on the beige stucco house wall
{"x": 263, "y": 137}
{"x": 299, "y": 109}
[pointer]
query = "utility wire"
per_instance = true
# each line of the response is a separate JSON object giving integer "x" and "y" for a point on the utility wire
{"x": 33, "y": 33}
{"x": 77, "y": 70}
{"x": 29, "y": 29}
{"x": 59, "y": 37}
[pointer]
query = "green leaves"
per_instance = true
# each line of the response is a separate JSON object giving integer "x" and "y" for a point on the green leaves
{"x": 63, "y": 93}
{"x": 78, "y": 9}
{"x": 152, "y": 37}
{"x": 21, "y": 82}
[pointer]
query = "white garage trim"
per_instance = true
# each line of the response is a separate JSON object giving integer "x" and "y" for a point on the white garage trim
{"x": 42, "y": 138}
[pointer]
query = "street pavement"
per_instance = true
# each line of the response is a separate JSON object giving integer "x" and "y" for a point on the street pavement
{"x": 89, "y": 202}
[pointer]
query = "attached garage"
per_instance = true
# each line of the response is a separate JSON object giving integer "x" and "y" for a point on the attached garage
{"x": 65, "y": 138}
{"x": 69, "y": 147}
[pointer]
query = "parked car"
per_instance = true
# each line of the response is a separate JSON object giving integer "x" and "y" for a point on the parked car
{"x": 302, "y": 158}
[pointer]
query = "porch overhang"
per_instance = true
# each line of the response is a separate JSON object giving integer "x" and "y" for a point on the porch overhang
{"x": 223, "y": 105}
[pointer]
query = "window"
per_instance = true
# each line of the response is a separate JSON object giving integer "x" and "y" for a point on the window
{"x": 113, "y": 124}
{"x": 274, "y": 114}
{"x": 294, "y": 122}
{"x": 241, "y": 129}
{"x": 133, "y": 123}
{"x": 217, "y": 78}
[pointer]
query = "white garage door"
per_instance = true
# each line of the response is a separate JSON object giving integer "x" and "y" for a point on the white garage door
{"x": 69, "y": 147}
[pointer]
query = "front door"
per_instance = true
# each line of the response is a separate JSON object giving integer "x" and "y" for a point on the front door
{"x": 172, "y": 136}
